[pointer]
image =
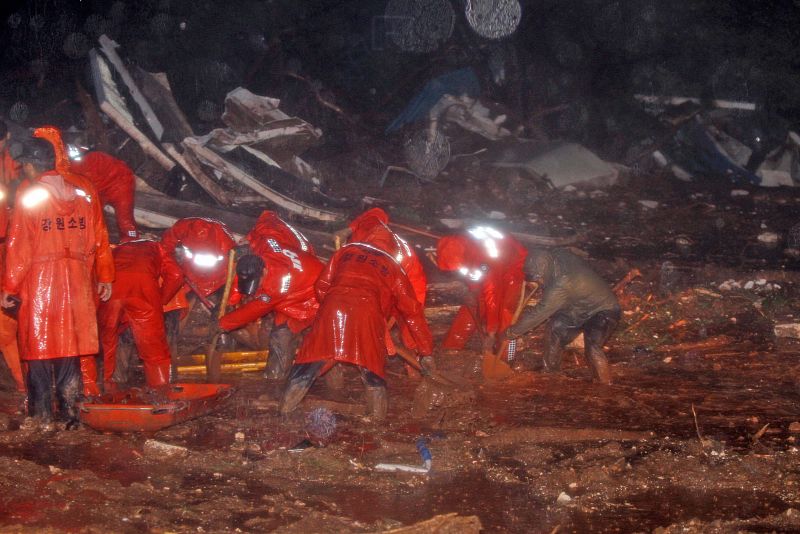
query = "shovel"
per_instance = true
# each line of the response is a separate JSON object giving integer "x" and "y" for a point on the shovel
{"x": 427, "y": 374}
{"x": 493, "y": 367}
{"x": 214, "y": 358}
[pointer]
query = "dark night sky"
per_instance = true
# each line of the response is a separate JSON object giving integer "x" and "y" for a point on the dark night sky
{"x": 586, "y": 50}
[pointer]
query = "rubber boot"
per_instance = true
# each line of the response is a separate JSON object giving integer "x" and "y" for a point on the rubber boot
{"x": 301, "y": 377}
{"x": 377, "y": 403}
{"x": 40, "y": 381}
{"x": 334, "y": 378}
{"x": 281, "y": 353}
{"x": 599, "y": 362}
{"x": 596, "y": 332}
{"x": 558, "y": 335}
{"x": 157, "y": 374}
{"x": 67, "y": 372}
{"x": 88, "y": 368}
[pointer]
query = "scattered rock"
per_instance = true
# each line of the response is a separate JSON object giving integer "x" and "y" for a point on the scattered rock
{"x": 788, "y": 330}
{"x": 161, "y": 450}
{"x": 563, "y": 499}
{"x": 768, "y": 238}
{"x": 794, "y": 427}
{"x": 497, "y": 215}
{"x": 739, "y": 193}
{"x": 649, "y": 204}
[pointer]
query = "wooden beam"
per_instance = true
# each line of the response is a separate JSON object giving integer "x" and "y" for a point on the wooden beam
{"x": 211, "y": 158}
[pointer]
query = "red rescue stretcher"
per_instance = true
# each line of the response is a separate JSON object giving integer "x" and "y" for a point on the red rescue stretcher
{"x": 146, "y": 410}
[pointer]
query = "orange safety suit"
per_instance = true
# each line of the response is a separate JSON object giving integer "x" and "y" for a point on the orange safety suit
{"x": 115, "y": 183}
{"x": 202, "y": 245}
{"x": 358, "y": 291}
{"x": 10, "y": 170}
{"x": 8, "y": 326}
{"x": 492, "y": 264}
{"x": 57, "y": 251}
{"x": 136, "y": 301}
{"x": 372, "y": 227}
{"x": 287, "y": 287}
{"x": 270, "y": 230}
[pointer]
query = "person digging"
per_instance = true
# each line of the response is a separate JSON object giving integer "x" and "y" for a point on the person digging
{"x": 575, "y": 300}
{"x": 359, "y": 290}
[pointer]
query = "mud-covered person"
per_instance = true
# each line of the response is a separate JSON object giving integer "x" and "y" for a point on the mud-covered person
{"x": 58, "y": 263}
{"x": 575, "y": 300}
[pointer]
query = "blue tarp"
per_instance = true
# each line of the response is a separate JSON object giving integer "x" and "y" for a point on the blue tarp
{"x": 457, "y": 83}
{"x": 699, "y": 154}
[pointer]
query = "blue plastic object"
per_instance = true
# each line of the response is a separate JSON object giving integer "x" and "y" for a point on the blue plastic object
{"x": 424, "y": 452}
{"x": 457, "y": 83}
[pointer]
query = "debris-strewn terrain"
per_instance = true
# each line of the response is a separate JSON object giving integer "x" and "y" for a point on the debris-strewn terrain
{"x": 698, "y": 433}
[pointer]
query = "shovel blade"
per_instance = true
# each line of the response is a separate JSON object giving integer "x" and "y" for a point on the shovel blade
{"x": 494, "y": 368}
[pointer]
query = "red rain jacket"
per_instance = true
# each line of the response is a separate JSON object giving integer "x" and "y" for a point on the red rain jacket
{"x": 287, "y": 287}
{"x": 492, "y": 264}
{"x": 196, "y": 236}
{"x": 10, "y": 170}
{"x": 115, "y": 183}
{"x": 270, "y": 230}
{"x": 57, "y": 250}
{"x": 136, "y": 300}
{"x": 372, "y": 227}
{"x": 358, "y": 291}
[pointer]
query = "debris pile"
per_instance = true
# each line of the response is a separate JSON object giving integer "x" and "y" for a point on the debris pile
{"x": 255, "y": 161}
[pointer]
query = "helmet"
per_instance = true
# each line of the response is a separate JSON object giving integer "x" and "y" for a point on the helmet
{"x": 249, "y": 270}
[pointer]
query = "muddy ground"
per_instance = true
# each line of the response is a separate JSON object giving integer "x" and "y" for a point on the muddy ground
{"x": 698, "y": 433}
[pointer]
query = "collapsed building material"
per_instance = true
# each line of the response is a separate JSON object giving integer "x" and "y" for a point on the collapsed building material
{"x": 223, "y": 165}
{"x": 112, "y": 103}
{"x": 470, "y": 114}
{"x": 195, "y": 170}
{"x": 562, "y": 163}
{"x": 257, "y": 121}
{"x": 109, "y": 48}
{"x": 161, "y": 211}
{"x": 782, "y": 165}
{"x": 457, "y": 83}
{"x": 679, "y": 100}
{"x": 156, "y": 88}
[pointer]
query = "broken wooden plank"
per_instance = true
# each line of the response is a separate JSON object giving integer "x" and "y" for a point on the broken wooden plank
{"x": 442, "y": 524}
{"x": 195, "y": 170}
{"x": 155, "y": 86}
{"x": 112, "y": 103}
{"x": 109, "y": 48}
{"x": 157, "y": 211}
{"x": 211, "y": 158}
{"x": 97, "y": 131}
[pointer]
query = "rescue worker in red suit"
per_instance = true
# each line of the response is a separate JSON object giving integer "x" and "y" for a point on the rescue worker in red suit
{"x": 372, "y": 227}
{"x": 491, "y": 263}
{"x": 136, "y": 302}
{"x": 9, "y": 168}
{"x": 115, "y": 183}
{"x": 8, "y": 325}
{"x": 278, "y": 277}
{"x": 198, "y": 248}
{"x": 358, "y": 291}
{"x": 9, "y": 178}
{"x": 58, "y": 263}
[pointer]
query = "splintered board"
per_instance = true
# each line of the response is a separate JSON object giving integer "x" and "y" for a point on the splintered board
{"x": 262, "y": 175}
{"x": 112, "y": 103}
